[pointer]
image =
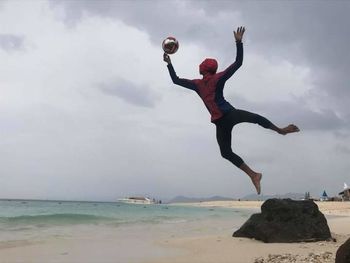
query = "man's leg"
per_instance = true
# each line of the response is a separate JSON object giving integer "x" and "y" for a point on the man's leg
{"x": 254, "y": 176}
{"x": 224, "y": 137}
{"x": 246, "y": 116}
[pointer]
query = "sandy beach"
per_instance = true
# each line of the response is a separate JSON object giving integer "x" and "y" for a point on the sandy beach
{"x": 327, "y": 208}
{"x": 225, "y": 248}
{"x": 208, "y": 240}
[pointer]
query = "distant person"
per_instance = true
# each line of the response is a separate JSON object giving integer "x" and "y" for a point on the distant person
{"x": 223, "y": 114}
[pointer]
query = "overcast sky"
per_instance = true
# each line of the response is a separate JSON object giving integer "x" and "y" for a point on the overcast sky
{"x": 88, "y": 110}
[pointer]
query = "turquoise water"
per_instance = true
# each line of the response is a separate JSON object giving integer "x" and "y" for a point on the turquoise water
{"x": 18, "y": 215}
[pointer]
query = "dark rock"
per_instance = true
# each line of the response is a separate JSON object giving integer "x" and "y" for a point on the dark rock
{"x": 286, "y": 221}
{"x": 343, "y": 253}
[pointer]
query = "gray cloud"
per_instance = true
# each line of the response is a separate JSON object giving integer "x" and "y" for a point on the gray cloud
{"x": 58, "y": 130}
{"x": 10, "y": 42}
{"x": 158, "y": 18}
{"x": 342, "y": 149}
{"x": 130, "y": 93}
{"x": 275, "y": 28}
{"x": 295, "y": 111}
{"x": 312, "y": 33}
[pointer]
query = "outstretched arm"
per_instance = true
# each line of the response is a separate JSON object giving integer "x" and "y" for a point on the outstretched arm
{"x": 226, "y": 74}
{"x": 186, "y": 83}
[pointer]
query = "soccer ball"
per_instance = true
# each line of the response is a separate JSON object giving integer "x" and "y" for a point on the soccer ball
{"x": 170, "y": 45}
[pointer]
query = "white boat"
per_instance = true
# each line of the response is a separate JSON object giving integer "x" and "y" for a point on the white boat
{"x": 136, "y": 200}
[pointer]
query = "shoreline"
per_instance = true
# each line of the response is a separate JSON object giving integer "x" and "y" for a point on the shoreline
{"x": 336, "y": 208}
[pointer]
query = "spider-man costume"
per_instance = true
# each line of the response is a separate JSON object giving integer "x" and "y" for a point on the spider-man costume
{"x": 211, "y": 87}
{"x": 223, "y": 114}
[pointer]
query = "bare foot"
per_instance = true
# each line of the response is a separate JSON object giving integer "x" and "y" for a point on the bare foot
{"x": 256, "y": 181}
{"x": 289, "y": 129}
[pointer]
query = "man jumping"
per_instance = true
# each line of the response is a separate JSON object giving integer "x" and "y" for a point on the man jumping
{"x": 223, "y": 114}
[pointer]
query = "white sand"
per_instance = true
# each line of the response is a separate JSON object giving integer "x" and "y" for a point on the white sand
{"x": 225, "y": 248}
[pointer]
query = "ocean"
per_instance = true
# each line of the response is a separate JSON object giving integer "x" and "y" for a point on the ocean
{"x": 61, "y": 231}
{"x": 39, "y": 220}
{"x": 16, "y": 214}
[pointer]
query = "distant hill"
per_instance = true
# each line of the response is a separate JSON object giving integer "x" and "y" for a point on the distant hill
{"x": 294, "y": 196}
{"x": 184, "y": 199}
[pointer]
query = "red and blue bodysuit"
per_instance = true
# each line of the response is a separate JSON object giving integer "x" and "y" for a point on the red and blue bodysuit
{"x": 211, "y": 87}
{"x": 223, "y": 114}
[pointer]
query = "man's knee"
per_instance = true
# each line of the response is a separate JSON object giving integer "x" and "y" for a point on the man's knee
{"x": 232, "y": 157}
{"x": 226, "y": 153}
{"x": 262, "y": 121}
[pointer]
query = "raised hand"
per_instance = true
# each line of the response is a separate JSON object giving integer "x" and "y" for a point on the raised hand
{"x": 239, "y": 33}
{"x": 166, "y": 58}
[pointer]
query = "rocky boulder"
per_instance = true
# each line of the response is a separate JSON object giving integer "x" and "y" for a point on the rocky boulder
{"x": 286, "y": 221}
{"x": 343, "y": 253}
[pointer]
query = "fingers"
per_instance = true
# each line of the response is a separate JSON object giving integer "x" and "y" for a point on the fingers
{"x": 166, "y": 57}
{"x": 240, "y": 31}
